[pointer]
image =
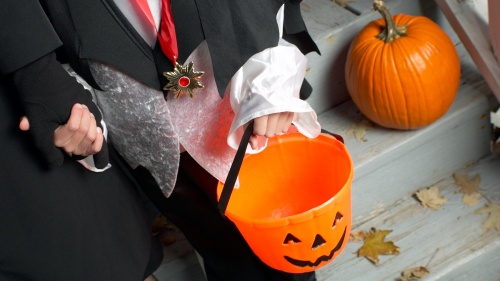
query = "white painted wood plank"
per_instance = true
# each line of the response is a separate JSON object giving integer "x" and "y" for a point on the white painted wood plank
{"x": 470, "y": 23}
{"x": 324, "y": 16}
{"x": 183, "y": 268}
{"x": 179, "y": 262}
{"x": 449, "y": 242}
{"x": 365, "y": 6}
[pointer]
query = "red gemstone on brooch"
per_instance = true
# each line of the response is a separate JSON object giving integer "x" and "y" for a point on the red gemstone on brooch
{"x": 184, "y": 81}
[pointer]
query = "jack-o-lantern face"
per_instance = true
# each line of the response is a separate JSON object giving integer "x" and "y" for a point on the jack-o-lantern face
{"x": 297, "y": 220}
{"x": 320, "y": 241}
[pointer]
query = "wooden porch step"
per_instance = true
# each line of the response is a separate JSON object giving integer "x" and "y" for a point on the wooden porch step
{"x": 390, "y": 166}
{"x": 180, "y": 262}
{"x": 391, "y": 163}
{"x": 449, "y": 242}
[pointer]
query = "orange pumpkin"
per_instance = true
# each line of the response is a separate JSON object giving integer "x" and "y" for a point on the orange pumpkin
{"x": 402, "y": 72}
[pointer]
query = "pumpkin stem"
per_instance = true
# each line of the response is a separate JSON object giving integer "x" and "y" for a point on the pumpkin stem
{"x": 391, "y": 30}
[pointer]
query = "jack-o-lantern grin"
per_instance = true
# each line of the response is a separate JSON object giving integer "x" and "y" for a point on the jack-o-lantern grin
{"x": 321, "y": 259}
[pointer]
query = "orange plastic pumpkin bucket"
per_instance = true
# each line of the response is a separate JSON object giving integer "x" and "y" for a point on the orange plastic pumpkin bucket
{"x": 293, "y": 205}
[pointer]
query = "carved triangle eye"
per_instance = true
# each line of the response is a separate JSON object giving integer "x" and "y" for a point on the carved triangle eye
{"x": 290, "y": 239}
{"x": 318, "y": 241}
{"x": 338, "y": 217}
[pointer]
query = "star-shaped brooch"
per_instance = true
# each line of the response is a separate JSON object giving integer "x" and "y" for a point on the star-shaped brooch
{"x": 183, "y": 79}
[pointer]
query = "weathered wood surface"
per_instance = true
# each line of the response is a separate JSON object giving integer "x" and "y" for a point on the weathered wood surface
{"x": 180, "y": 262}
{"x": 469, "y": 19}
{"x": 450, "y": 242}
{"x": 389, "y": 162}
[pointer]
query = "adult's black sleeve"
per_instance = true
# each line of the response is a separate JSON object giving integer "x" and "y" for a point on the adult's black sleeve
{"x": 25, "y": 34}
{"x": 47, "y": 92}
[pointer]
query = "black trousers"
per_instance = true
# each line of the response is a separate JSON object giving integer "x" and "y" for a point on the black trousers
{"x": 193, "y": 209}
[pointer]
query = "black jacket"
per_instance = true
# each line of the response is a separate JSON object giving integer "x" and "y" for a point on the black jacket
{"x": 234, "y": 29}
{"x": 65, "y": 223}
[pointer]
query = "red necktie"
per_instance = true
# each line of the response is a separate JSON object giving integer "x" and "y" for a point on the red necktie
{"x": 182, "y": 79}
{"x": 166, "y": 35}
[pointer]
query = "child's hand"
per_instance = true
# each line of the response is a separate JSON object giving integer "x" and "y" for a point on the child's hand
{"x": 80, "y": 136}
{"x": 48, "y": 94}
{"x": 270, "y": 125}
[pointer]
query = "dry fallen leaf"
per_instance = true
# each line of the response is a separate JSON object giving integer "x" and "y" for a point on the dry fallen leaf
{"x": 430, "y": 198}
{"x": 415, "y": 273}
{"x": 160, "y": 228}
{"x": 159, "y": 224}
{"x": 493, "y": 220}
{"x": 467, "y": 185}
{"x": 375, "y": 245}
{"x": 167, "y": 240}
{"x": 358, "y": 130}
{"x": 471, "y": 199}
{"x": 358, "y": 236}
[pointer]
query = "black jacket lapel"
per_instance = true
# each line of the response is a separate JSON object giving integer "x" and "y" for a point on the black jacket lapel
{"x": 128, "y": 28}
{"x": 103, "y": 34}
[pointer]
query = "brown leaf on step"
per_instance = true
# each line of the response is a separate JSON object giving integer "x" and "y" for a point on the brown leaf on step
{"x": 415, "y": 273}
{"x": 358, "y": 236}
{"x": 493, "y": 220}
{"x": 375, "y": 245}
{"x": 358, "y": 130}
{"x": 160, "y": 225}
{"x": 471, "y": 199}
{"x": 162, "y": 230}
{"x": 467, "y": 185}
{"x": 167, "y": 240}
{"x": 342, "y": 3}
{"x": 430, "y": 198}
